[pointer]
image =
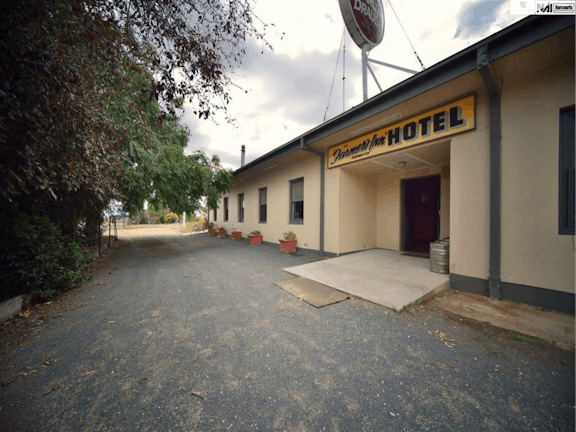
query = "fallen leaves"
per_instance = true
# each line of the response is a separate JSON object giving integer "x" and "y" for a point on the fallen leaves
{"x": 54, "y": 387}
{"x": 5, "y": 383}
{"x": 25, "y": 314}
{"x": 448, "y": 342}
{"x": 25, "y": 374}
{"x": 450, "y": 365}
{"x": 10, "y": 366}
{"x": 199, "y": 394}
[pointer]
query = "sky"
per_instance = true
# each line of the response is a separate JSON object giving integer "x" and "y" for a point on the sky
{"x": 285, "y": 92}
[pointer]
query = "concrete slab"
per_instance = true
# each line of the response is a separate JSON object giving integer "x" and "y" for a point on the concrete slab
{"x": 377, "y": 275}
{"x": 10, "y": 308}
{"x": 311, "y": 292}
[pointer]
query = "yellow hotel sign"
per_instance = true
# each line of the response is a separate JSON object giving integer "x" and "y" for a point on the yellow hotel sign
{"x": 438, "y": 123}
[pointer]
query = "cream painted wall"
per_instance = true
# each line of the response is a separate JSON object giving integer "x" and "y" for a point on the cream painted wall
{"x": 332, "y": 210}
{"x": 357, "y": 211}
{"x": 364, "y": 211}
{"x": 533, "y": 253}
{"x": 470, "y": 196}
{"x": 388, "y": 222}
{"x": 277, "y": 182}
{"x": 389, "y": 205}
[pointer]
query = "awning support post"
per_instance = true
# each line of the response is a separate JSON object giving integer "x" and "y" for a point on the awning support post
{"x": 485, "y": 70}
{"x": 303, "y": 146}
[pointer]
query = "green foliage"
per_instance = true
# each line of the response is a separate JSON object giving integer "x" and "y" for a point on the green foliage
{"x": 289, "y": 235}
{"x": 87, "y": 114}
{"x": 172, "y": 217}
{"x": 75, "y": 77}
{"x": 47, "y": 261}
{"x": 156, "y": 169}
{"x": 143, "y": 219}
{"x": 520, "y": 338}
{"x": 67, "y": 64}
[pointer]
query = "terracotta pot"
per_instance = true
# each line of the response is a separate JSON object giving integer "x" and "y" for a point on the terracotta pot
{"x": 236, "y": 235}
{"x": 255, "y": 239}
{"x": 211, "y": 232}
{"x": 221, "y": 233}
{"x": 288, "y": 246}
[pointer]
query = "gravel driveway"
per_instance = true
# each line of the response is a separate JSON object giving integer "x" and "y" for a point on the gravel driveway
{"x": 191, "y": 334}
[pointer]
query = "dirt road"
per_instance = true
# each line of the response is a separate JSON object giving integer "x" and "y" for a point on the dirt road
{"x": 190, "y": 333}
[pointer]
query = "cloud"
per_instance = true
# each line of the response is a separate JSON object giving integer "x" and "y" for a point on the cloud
{"x": 477, "y": 17}
{"x": 288, "y": 88}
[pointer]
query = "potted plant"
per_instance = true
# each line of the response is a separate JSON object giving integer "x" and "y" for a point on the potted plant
{"x": 210, "y": 226}
{"x": 288, "y": 244}
{"x": 236, "y": 235}
{"x": 255, "y": 238}
{"x": 221, "y": 232}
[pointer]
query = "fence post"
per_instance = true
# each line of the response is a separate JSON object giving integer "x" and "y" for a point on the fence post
{"x": 75, "y": 225}
{"x": 99, "y": 234}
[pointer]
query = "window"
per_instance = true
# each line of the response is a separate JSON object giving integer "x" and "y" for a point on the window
{"x": 215, "y": 215}
{"x": 225, "y": 209}
{"x": 263, "y": 201}
{"x": 241, "y": 207}
{"x": 566, "y": 173}
{"x": 297, "y": 201}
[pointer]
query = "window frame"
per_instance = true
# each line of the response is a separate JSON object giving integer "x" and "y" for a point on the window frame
{"x": 260, "y": 220}
{"x": 241, "y": 207}
{"x": 566, "y": 165}
{"x": 291, "y": 210}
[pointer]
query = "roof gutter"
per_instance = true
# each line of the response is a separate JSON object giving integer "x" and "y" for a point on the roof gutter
{"x": 519, "y": 35}
{"x": 303, "y": 146}
{"x": 487, "y": 74}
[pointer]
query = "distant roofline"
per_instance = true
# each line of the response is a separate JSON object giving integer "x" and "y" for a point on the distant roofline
{"x": 519, "y": 35}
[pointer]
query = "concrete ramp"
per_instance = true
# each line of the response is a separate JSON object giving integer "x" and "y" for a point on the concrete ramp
{"x": 377, "y": 275}
{"x": 311, "y": 292}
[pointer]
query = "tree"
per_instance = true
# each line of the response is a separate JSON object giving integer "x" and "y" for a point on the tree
{"x": 70, "y": 137}
{"x": 155, "y": 168}
{"x": 63, "y": 62}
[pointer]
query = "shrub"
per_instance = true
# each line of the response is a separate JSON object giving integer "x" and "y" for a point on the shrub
{"x": 51, "y": 261}
{"x": 144, "y": 219}
{"x": 171, "y": 217}
{"x": 255, "y": 232}
{"x": 289, "y": 235}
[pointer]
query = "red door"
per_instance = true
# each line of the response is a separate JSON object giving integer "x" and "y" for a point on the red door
{"x": 421, "y": 213}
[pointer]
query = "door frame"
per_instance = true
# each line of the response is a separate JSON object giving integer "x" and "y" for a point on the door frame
{"x": 404, "y": 224}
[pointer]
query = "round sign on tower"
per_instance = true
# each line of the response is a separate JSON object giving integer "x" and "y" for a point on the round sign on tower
{"x": 364, "y": 20}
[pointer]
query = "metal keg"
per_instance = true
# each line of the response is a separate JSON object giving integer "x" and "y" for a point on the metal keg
{"x": 440, "y": 256}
